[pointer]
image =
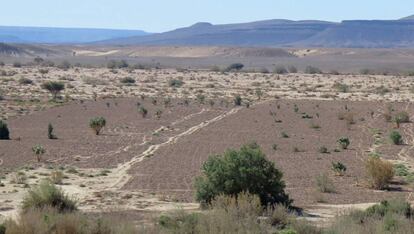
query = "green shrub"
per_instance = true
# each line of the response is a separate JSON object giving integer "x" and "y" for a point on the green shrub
{"x": 235, "y": 67}
{"x": 237, "y": 100}
{"x": 343, "y": 88}
{"x": 2, "y": 229}
{"x": 339, "y": 168}
{"x": 175, "y": 83}
{"x": 323, "y": 150}
{"x": 239, "y": 171}
{"x": 117, "y": 64}
{"x": 292, "y": 69}
{"x": 401, "y": 117}
{"x": 396, "y": 206}
{"x": 127, "y": 80}
{"x": 97, "y": 124}
{"x": 396, "y": 138}
{"x": 143, "y": 111}
{"x": 280, "y": 69}
{"x": 64, "y": 65}
{"x": 53, "y": 87}
{"x": 47, "y": 195}
{"x": 4, "y": 131}
{"x": 50, "y": 134}
{"x": 38, "y": 150}
{"x": 25, "y": 81}
{"x": 312, "y": 70}
{"x": 344, "y": 142}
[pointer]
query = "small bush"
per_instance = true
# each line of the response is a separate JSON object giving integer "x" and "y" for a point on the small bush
{"x": 235, "y": 67}
{"x": 48, "y": 195}
{"x": 344, "y": 142}
{"x": 38, "y": 150}
{"x": 64, "y": 65}
{"x": 323, "y": 150}
{"x": 324, "y": 184}
{"x": 312, "y": 70}
{"x": 4, "y": 131}
{"x": 237, "y": 100}
{"x": 25, "y": 81}
{"x": 396, "y": 138}
{"x": 280, "y": 70}
{"x": 50, "y": 134}
{"x": 380, "y": 172}
{"x": 17, "y": 64}
{"x": 127, "y": 80}
{"x": 56, "y": 177}
{"x": 339, "y": 168}
{"x": 292, "y": 69}
{"x": 143, "y": 111}
{"x": 52, "y": 221}
{"x": 53, "y": 87}
{"x": 343, "y": 88}
{"x": 401, "y": 117}
{"x": 175, "y": 83}
{"x": 97, "y": 124}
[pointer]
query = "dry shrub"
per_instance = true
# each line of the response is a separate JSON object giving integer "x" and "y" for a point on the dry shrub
{"x": 56, "y": 177}
{"x": 324, "y": 184}
{"x": 51, "y": 221}
{"x": 380, "y": 172}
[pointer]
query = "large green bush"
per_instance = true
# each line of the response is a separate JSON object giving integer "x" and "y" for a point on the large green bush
{"x": 244, "y": 170}
{"x": 4, "y": 131}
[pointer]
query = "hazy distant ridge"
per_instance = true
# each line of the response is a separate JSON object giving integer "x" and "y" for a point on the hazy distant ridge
{"x": 11, "y": 34}
{"x": 287, "y": 33}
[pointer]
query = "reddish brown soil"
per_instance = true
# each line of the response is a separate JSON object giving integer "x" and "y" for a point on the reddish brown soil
{"x": 121, "y": 139}
{"x": 172, "y": 169}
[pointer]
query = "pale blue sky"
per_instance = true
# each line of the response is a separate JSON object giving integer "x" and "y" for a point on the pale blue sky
{"x": 163, "y": 15}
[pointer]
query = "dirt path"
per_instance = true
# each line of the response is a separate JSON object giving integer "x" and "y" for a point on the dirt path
{"x": 99, "y": 189}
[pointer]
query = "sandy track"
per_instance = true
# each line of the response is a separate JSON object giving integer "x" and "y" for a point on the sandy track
{"x": 99, "y": 193}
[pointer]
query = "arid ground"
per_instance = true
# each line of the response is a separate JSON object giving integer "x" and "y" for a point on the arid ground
{"x": 148, "y": 163}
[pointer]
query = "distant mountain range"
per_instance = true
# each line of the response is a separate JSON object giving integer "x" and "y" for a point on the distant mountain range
{"x": 45, "y": 35}
{"x": 287, "y": 33}
{"x": 269, "y": 33}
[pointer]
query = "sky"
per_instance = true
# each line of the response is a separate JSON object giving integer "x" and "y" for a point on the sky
{"x": 164, "y": 15}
